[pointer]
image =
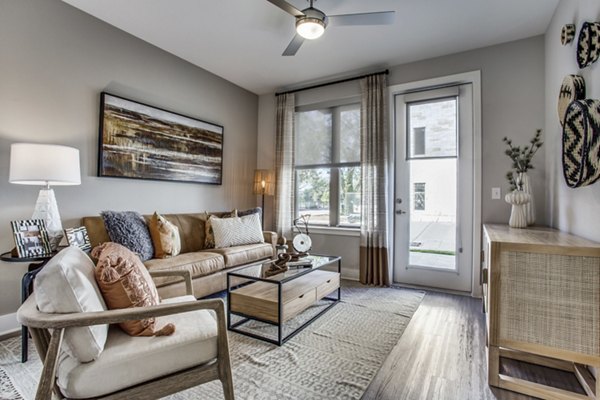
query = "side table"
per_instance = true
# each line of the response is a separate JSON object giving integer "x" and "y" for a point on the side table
{"x": 35, "y": 266}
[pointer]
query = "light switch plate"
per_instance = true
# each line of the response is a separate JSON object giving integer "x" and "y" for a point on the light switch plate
{"x": 496, "y": 193}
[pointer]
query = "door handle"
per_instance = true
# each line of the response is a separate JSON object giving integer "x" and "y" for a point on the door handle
{"x": 400, "y": 212}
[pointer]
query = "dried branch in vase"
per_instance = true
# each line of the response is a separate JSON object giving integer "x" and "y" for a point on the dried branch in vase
{"x": 521, "y": 158}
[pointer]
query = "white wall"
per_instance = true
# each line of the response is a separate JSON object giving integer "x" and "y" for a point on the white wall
{"x": 55, "y": 62}
{"x": 572, "y": 210}
{"x": 512, "y": 105}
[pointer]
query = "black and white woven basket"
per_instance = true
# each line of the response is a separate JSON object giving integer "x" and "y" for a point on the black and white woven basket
{"x": 588, "y": 44}
{"x": 567, "y": 34}
{"x": 572, "y": 88}
{"x": 581, "y": 143}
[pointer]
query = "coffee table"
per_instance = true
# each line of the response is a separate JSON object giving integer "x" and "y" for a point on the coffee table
{"x": 274, "y": 300}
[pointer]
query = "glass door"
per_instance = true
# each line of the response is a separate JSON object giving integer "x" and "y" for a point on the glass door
{"x": 433, "y": 204}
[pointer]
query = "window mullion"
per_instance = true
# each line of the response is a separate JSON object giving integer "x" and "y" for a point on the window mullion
{"x": 334, "y": 185}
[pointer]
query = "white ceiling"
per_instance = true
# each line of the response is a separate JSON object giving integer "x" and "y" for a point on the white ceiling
{"x": 242, "y": 40}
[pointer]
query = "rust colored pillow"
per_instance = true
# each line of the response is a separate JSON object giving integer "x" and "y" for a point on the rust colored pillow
{"x": 209, "y": 238}
{"x": 165, "y": 237}
{"x": 125, "y": 282}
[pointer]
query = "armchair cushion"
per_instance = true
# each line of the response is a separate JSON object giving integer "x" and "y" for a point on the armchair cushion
{"x": 65, "y": 285}
{"x": 127, "y": 361}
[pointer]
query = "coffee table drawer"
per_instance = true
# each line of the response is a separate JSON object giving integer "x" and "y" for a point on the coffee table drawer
{"x": 331, "y": 284}
{"x": 298, "y": 304}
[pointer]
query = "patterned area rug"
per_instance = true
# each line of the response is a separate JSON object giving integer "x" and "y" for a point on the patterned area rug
{"x": 335, "y": 357}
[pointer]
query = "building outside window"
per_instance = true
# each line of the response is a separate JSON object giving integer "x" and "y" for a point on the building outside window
{"x": 419, "y": 193}
{"x": 327, "y": 165}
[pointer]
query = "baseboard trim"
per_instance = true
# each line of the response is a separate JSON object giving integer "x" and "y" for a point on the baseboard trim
{"x": 9, "y": 325}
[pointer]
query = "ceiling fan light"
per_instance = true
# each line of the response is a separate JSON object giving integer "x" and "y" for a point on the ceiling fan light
{"x": 310, "y": 28}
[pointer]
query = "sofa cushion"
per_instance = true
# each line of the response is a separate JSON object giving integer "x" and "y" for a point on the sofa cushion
{"x": 129, "y": 229}
{"x": 66, "y": 284}
{"x": 128, "y": 360}
{"x": 165, "y": 237}
{"x": 237, "y": 231}
{"x": 125, "y": 282}
{"x": 239, "y": 255}
{"x": 199, "y": 263}
{"x": 209, "y": 239}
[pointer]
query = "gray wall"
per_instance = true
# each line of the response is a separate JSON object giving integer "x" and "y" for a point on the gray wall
{"x": 512, "y": 105}
{"x": 55, "y": 62}
{"x": 572, "y": 210}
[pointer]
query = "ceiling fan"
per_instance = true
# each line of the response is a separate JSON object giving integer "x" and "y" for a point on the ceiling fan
{"x": 311, "y": 22}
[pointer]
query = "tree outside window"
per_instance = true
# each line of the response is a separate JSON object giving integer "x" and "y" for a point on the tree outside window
{"x": 327, "y": 164}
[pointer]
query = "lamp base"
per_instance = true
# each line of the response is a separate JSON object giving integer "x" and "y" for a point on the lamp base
{"x": 46, "y": 209}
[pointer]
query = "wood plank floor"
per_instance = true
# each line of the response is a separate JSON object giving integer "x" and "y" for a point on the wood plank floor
{"x": 441, "y": 355}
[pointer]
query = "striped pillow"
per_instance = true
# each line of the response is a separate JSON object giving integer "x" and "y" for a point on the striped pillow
{"x": 237, "y": 231}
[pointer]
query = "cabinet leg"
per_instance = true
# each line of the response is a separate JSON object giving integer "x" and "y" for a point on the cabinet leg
{"x": 493, "y": 366}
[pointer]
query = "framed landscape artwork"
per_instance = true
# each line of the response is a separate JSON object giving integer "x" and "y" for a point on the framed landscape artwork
{"x": 144, "y": 142}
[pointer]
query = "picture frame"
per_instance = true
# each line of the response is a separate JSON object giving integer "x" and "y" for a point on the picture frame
{"x": 31, "y": 238}
{"x": 139, "y": 141}
{"x": 78, "y": 237}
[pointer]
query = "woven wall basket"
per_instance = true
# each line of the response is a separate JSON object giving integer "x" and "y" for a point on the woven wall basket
{"x": 588, "y": 44}
{"x": 567, "y": 34}
{"x": 572, "y": 88}
{"x": 581, "y": 143}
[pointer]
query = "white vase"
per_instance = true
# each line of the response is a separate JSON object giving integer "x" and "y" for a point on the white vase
{"x": 518, "y": 199}
{"x": 530, "y": 206}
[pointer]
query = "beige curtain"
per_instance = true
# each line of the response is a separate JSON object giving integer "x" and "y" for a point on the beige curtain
{"x": 374, "y": 268}
{"x": 284, "y": 164}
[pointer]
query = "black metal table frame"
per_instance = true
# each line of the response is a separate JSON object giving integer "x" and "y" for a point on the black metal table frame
{"x": 246, "y": 318}
{"x": 35, "y": 266}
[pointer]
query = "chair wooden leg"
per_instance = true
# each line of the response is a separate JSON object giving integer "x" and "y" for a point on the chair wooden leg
{"x": 227, "y": 383}
{"x": 46, "y": 385}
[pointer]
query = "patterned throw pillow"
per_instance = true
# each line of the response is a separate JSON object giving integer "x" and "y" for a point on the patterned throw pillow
{"x": 129, "y": 229}
{"x": 237, "y": 231}
{"x": 125, "y": 282}
{"x": 209, "y": 238}
{"x": 165, "y": 237}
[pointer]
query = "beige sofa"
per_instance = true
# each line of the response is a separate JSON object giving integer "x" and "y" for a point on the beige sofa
{"x": 208, "y": 267}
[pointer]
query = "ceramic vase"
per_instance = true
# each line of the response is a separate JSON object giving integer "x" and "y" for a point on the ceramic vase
{"x": 518, "y": 199}
{"x": 530, "y": 206}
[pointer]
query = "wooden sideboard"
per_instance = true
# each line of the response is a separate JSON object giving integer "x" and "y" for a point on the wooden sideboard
{"x": 542, "y": 302}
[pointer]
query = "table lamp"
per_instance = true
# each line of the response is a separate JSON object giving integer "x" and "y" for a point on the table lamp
{"x": 263, "y": 184}
{"x": 45, "y": 165}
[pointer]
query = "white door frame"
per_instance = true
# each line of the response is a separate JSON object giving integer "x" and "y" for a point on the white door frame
{"x": 474, "y": 78}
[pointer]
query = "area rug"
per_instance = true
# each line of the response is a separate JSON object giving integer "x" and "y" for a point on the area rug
{"x": 335, "y": 357}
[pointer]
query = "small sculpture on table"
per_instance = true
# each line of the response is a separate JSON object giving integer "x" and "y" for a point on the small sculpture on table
{"x": 278, "y": 266}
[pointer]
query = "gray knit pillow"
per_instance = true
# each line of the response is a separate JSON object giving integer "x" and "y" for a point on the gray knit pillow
{"x": 128, "y": 228}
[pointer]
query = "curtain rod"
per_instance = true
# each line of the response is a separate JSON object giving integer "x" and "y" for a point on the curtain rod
{"x": 386, "y": 72}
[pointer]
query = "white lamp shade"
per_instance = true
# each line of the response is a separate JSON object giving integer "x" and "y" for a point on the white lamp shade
{"x": 44, "y": 164}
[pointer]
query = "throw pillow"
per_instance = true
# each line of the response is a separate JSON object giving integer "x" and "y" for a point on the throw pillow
{"x": 209, "y": 238}
{"x": 165, "y": 237}
{"x": 66, "y": 284}
{"x": 129, "y": 229}
{"x": 255, "y": 210}
{"x": 125, "y": 282}
{"x": 237, "y": 231}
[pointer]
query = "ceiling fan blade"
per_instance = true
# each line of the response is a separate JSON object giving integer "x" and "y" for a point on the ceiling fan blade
{"x": 374, "y": 18}
{"x": 294, "y": 45}
{"x": 287, "y": 7}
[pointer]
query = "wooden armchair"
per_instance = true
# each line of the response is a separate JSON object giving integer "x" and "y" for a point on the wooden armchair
{"x": 47, "y": 331}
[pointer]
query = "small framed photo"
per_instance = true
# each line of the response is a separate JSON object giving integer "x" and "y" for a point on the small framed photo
{"x": 78, "y": 237}
{"x": 31, "y": 238}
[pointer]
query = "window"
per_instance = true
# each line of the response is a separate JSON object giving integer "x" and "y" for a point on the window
{"x": 419, "y": 194}
{"x": 327, "y": 165}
